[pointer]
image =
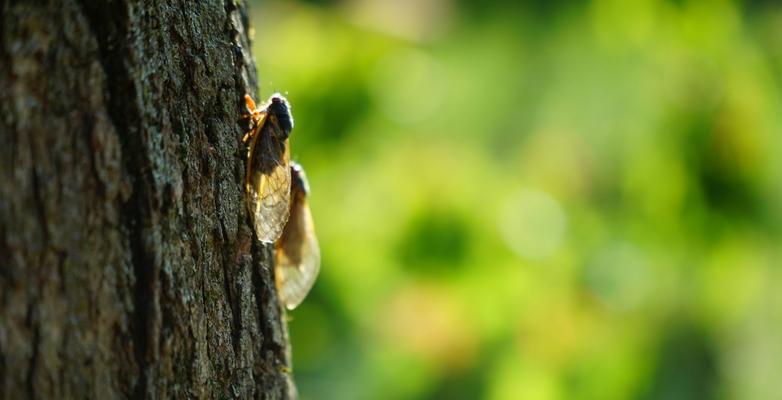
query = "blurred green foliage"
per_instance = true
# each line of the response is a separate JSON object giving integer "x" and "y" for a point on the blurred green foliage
{"x": 558, "y": 200}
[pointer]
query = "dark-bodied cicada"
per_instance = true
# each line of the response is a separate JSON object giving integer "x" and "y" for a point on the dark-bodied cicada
{"x": 268, "y": 176}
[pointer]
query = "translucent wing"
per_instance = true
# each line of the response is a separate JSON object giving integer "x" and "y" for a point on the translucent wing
{"x": 297, "y": 251}
{"x": 268, "y": 184}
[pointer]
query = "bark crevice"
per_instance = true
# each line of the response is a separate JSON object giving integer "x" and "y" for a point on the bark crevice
{"x": 34, "y": 344}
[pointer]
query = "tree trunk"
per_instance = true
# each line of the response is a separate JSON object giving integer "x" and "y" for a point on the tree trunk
{"x": 128, "y": 266}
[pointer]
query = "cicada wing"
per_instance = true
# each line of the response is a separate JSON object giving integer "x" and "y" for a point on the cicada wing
{"x": 298, "y": 254}
{"x": 298, "y": 262}
{"x": 268, "y": 183}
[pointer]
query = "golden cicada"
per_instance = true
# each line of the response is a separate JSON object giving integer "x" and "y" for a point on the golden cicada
{"x": 277, "y": 191}
{"x": 297, "y": 252}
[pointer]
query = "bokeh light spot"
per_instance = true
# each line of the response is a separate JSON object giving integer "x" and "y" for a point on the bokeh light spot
{"x": 533, "y": 224}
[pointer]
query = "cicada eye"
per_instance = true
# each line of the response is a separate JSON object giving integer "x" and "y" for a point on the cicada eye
{"x": 299, "y": 179}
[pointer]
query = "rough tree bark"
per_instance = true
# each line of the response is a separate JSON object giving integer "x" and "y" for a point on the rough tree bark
{"x": 128, "y": 266}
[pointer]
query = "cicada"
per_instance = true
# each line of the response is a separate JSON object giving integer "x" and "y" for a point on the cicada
{"x": 297, "y": 252}
{"x": 268, "y": 175}
{"x": 277, "y": 191}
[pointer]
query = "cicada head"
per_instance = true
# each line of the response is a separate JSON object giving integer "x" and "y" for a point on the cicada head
{"x": 280, "y": 110}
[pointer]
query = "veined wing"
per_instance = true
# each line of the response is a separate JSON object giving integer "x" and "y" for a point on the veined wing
{"x": 268, "y": 180}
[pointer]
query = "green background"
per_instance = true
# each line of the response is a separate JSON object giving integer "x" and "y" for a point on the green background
{"x": 559, "y": 200}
